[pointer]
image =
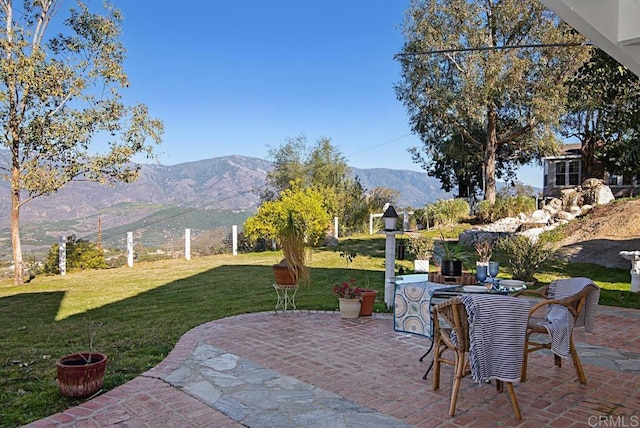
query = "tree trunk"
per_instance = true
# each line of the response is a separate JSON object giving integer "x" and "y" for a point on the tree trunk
{"x": 591, "y": 167}
{"x": 490, "y": 158}
{"x": 18, "y": 275}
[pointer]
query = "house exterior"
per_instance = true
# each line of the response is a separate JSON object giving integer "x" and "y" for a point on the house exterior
{"x": 566, "y": 171}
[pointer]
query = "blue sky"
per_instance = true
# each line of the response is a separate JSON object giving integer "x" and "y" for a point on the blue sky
{"x": 238, "y": 77}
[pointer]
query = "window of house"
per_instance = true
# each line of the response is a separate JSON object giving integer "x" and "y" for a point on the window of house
{"x": 567, "y": 173}
{"x": 574, "y": 173}
{"x": 561, "y": 172}
{"x": 613, "y": 180}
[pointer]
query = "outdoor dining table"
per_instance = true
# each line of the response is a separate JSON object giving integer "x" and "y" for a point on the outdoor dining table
{"x": 415, "y": 295}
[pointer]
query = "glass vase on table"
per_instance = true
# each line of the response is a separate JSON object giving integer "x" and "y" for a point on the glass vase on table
{"x": 481, "y": 273}
{"x": 494, "y": 269}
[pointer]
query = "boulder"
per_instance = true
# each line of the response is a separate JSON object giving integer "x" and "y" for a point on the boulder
{"x": 596, "y": 192}
{"x": 540, "y": 216}
{"x": 564, "y": 215}
{"x": 585, "y": 209}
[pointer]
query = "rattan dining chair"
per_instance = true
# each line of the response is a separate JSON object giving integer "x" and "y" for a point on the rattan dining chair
{"x": 574, "y": 304}
{"x": 453, "y": 335}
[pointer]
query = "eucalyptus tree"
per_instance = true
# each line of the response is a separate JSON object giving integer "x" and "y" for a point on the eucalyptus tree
{"x": 496, "y": 64}
{"x": 604, "y": 115}
{"x": 60, "y": 84}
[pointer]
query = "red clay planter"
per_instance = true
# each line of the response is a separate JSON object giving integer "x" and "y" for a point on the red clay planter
{"x": 81, "y": 375}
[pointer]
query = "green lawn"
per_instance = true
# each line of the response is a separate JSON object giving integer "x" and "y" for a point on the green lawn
{"x": 139, "y": 313}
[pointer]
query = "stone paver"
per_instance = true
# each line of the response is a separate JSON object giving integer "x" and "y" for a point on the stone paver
{"x": 315, "y": 369}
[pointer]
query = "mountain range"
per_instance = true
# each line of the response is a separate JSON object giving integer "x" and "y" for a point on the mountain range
{"x": 212, "y": 193}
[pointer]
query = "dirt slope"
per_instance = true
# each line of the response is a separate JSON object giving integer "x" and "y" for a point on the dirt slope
{"x": 602, "y": 234}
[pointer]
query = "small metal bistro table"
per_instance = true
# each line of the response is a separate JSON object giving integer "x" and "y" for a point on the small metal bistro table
{"x": 286, "y": 294}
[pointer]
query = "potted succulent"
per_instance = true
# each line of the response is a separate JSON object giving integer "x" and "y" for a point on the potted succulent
{"x": 451, "y": 255}
{"x": 421, "y": 246}
{"x": 349, "y": 297}
{"x": 81, "y": 374}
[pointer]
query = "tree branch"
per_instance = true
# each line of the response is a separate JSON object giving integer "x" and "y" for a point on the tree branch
{"x": 465, "y": 133}
{"x": 513, "y": 136}
{"x": 455, "y": 63}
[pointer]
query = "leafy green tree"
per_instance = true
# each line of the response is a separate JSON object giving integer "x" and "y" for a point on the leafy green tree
{"x": 81, "y": 255}
{"x": 306, "y": 207}
{"x": 57, "y": 95}
{"x": 378, "y": 197}
{"x": 604, "y": 115}
{"x": 457, "y": 77}
{"x": 324, "y": 168}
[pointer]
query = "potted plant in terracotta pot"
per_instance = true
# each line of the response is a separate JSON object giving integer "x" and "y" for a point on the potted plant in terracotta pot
{"x": 349, "y": 297}
{"x": 292, "y": 268}
{"x": 81, "y": 374}
{"x": 296, "y": 220}
{"x": 421, "y": 246}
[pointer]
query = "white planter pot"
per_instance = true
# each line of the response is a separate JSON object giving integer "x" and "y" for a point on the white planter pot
{"x": 350, "y": 308}
{"x": 421, "y": 266}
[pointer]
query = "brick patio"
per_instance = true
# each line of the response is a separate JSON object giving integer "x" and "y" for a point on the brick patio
{"x": 365, "y": 361}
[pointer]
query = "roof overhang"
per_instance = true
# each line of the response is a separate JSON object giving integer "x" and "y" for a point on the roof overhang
{"x": 612, "y": 25}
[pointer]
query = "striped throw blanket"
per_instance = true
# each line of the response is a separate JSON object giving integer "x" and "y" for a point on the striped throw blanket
{"x": 558, "y": 320}
{"x": 497, "y": 330}
{"x": 568, "y": 287}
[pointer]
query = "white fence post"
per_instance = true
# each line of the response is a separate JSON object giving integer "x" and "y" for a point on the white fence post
{"x": 62, "y": 255}
{"x": 234, "y": 239}
{"x": 187, "y": 244}
{"x": 130, "y": 249}
{"x": 335, "y": 226}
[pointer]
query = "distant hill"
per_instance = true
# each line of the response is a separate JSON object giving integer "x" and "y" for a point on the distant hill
{"x": 200, "y": 195}
{"x": 416, "y": 189}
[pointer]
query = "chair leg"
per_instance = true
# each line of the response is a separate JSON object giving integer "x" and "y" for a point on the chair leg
{"x": 514, "y": 400}
{"x": 557, "y": 360}
{"x": 582, "y": 378}
{"x": 525, "y": 360}
{"x": 435, "y": 381}
{"x": 459, "y": 373}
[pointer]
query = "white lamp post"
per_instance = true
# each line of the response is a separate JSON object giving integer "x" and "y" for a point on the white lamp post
{"x": 390, "y": 218}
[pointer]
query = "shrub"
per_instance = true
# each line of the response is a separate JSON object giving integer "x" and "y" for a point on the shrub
{"x": 523, "y": 257}
{"x": 421, "y": 246}
{"x": 505, "y": 207}
{"x": 446, "y": 211}
{"x": 81, "y": 255}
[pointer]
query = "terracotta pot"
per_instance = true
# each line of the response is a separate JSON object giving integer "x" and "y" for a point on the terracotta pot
{"x": 283, "y": 275}
{"x": 368, "y": 299}
{"x": 78, "y": 378}
{"x": 349, "y": 308}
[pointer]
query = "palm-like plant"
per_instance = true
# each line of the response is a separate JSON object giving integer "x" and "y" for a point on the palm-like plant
{"x": 292, "y": 243}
